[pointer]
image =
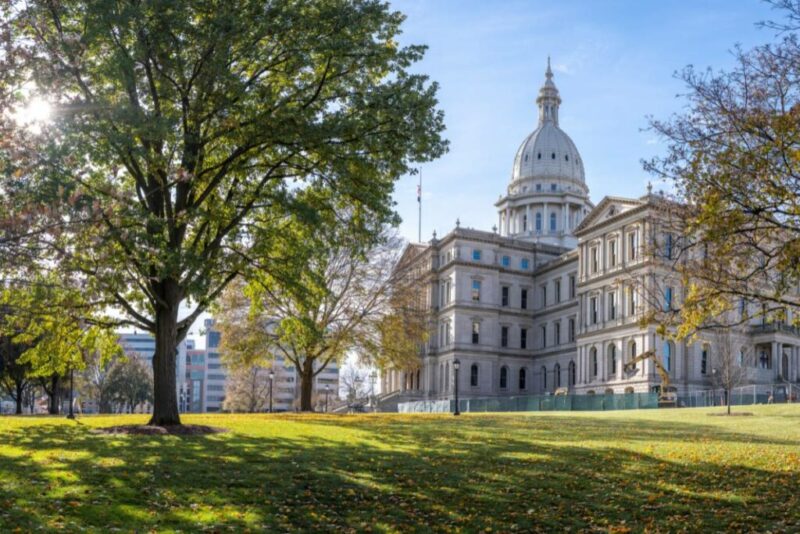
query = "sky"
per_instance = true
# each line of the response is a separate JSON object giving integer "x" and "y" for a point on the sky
{"x": 614, "y": 64}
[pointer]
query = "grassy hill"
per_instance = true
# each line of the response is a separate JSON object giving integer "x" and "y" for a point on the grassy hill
{"x": 652, "y": 470}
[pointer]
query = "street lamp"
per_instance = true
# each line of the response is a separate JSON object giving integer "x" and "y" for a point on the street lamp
{"x": 373, "y": 376}
{"x": 327, "y": 390}
{"x": 456, "y": 366}
{"x": 271, "y": 378}
{"x": 714, "y": 383}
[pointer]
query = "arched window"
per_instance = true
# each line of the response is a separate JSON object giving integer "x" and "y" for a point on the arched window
{"x": 668, "y": 350}
{"x": 632, "y": 350}
{"x": 473, "y": 375}
{"x": 538, "y": 222}
{"x": 503, "y": 377}
{"x": 522, "y": 379}
{"x": 612, "y": 359}
{"x": 552, "y": 222}
{"x": 524, "y": 223}
{"x": 571, "y": 378}
{"x": 593, "y": 360}
{"x": 544, "y": 378}
{"x": 557, "y": 373}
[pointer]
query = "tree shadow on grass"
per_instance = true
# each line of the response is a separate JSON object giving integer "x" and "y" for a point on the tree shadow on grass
{"x": 390, "y": 478}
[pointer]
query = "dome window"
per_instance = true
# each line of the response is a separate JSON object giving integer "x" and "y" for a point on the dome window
{"x": 554, "y": 155}
{"x": 539, "y": 156}
{"x": 526, "y": 157}
{"x": 566, "y": 157}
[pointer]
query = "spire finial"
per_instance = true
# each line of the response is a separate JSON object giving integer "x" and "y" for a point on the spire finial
{"x": 549, "y": 71}
{"x": 548, "y": 99}
{"x": 649, "y": 188}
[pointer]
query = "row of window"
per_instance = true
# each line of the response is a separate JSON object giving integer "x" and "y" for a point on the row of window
{"x": 523, "y": 334}
{"x": 505, "y": 261}
{"x": 612, "y": 305}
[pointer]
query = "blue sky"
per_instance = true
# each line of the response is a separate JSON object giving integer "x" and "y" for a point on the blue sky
{"x": 613, "y": 61}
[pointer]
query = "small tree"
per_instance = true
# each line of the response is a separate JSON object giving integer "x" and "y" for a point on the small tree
{"x": 334, "y": 297}
{"x": 728, "y": 363}
{"x": 247, "y": 389}
{"x": 14, "y": 373}
{"x": 130, "y": 383}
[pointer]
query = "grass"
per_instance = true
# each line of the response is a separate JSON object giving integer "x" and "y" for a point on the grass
{"x": 665, "y": 470}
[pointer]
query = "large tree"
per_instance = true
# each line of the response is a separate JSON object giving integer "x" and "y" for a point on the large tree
{"x": 182, "y": 125}
{"x": 733, "y": 158}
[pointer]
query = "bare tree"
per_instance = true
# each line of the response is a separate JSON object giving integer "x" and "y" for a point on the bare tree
{"x": 247, "y": 389}
{"x": 728, "y": 363}
{"x": 355, "y": 384}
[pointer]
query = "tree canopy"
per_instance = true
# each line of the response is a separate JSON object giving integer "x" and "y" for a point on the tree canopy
{"x": 183, "y": 131}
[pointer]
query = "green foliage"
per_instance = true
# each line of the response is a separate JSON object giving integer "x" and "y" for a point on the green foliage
{"x": 630, "y": 471}
{"x": 185, "y": 130}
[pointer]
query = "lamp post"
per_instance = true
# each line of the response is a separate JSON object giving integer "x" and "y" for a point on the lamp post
{"x": 327, "y": 390}
{"x": 373, "y": 376}
{"x": 456, "y": 366}
{"x": 714, "y": 383}
{"x": 271, "y": 378}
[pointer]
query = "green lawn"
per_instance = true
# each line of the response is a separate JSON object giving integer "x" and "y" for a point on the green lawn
{"x": 640, "y": 470}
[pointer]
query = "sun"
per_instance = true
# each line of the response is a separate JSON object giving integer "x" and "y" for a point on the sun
{"x": 33, "y": 114}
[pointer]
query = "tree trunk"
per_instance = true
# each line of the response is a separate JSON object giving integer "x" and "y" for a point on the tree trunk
{"x": 728, "y": 401}
{"x": 306, "y": 385}
{"x": 165, "y": 396}
{"x": 53, "y": 395}
{"x": 19, "y": 398}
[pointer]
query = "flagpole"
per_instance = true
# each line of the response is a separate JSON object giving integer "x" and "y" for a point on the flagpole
{"x": 419, "y": 201}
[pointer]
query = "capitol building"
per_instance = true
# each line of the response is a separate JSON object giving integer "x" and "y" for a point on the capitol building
{"x": 551, "y": 297}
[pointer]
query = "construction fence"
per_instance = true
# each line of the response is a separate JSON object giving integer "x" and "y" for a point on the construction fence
{"x": 741, "y": 396}
{"x": 536, "y": 403}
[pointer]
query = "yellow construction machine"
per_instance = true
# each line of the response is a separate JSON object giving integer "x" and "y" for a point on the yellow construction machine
{"x": 667, "y": 394}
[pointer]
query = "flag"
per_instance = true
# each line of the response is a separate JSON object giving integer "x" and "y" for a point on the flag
{"x": 419, "y": 193}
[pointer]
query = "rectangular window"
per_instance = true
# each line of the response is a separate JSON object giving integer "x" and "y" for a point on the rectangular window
{"x": 593, "y": 310}
{"x": 504, "y": 336}
{"x": 594, "y": 260}
{"x": 558, "y": 291}
{"x": 506, "y": 261}
{"x": 523, "y": 299}
{"x": 553, "y": 187}
{"x": 538, "y": 187}
{"x": 476, "y": 290}
{"x": 571, "y": 331}
{"x": 476, "y": 332}
{"x": 523, "y": 338}
{"x": 612, "y": 305}
{"x": 504, "y": 297}
{"x": 476, "y": 255}
{"x": 544, "y": 296}
{"x": 633, "y": 301}
{"x": 668, "y": 246}
{"x": 668, "y": 299}
{"x": 612, "y": 253}
{"x": 558, "y": 333}
{"x": 544, "y": 335}
{"x": 633, "y": 245}
{"x": 524, "y": 263}
{"x": 572, "y": 286}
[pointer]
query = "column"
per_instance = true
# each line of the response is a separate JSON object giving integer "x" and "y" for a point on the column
{"x": 565, "y": 216}
{"x": 507, "y": 221}
{"x": 545, "y": 220}
{"x": 773, "y": 357}
{"x": 528, "y": 218}
{"x": 500, "y": 222}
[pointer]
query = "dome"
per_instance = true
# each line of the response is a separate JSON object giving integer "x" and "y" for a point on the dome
{"x": 548, "y": 152}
